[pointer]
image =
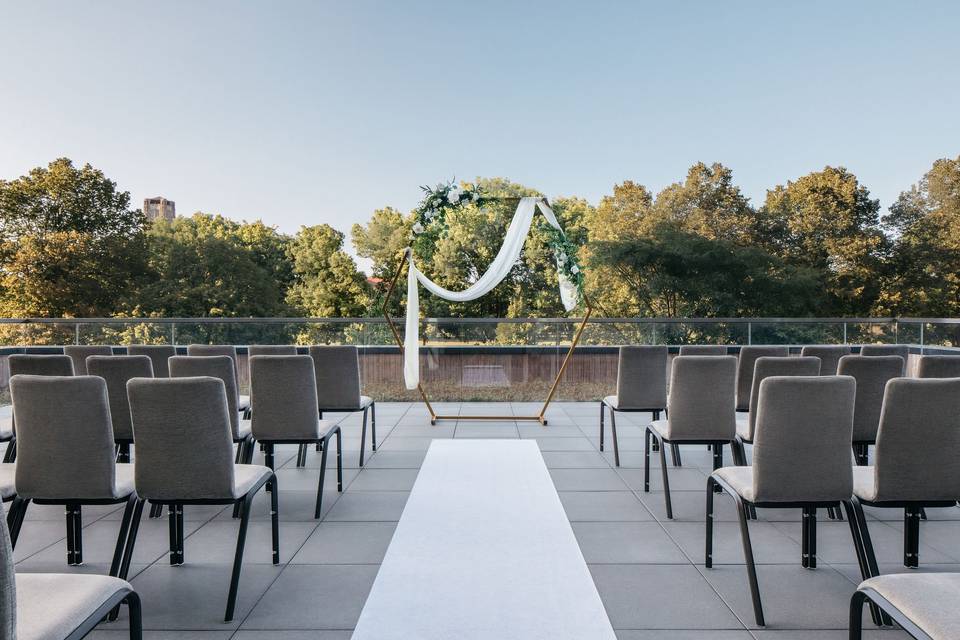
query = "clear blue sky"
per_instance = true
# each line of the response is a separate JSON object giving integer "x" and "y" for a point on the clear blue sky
{"x": 307, "y": 112}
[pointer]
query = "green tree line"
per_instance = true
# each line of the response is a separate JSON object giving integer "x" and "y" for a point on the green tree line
{"x": 71, "y": 245}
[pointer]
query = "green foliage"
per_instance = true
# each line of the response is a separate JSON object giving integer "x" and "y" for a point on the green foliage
{"x": 328, "y": 283}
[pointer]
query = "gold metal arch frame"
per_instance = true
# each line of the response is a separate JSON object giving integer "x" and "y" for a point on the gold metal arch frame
{"x": 434, "y": 416}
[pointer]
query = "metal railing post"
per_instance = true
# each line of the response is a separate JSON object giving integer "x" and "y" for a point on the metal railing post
{"x": 845, "y": 341}
{"x": 76, "y": 333}
{"x": 921, "y": 338}
{"x": 749, "y": 333}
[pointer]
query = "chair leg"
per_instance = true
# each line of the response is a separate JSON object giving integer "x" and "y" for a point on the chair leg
{"x": 323, "y": 472}
{"x": 248, "y": 458}
{"x": 875, "y": 612}
{"x": 15, "y": 518}
{"x": 275, "y": 518}
{"x": 748, "y": 557}
{"x": 156, "y": 510}
{"x": 131, "y": 539}
{"x": 856, "y": 614}
{"x": 601, "y": 425}
{"x": 666, "y": 479}
{"x": 708, "y": 551}
{"x": 675, "y": 451}
{"x": 363, "y": 436}
{"x": 122, "y": 535}
{"x": 717, "y": 450}
{"x": 373, "y": 426}
{"x": 646, "y": 460}
{"x": 135, "y": 615}
{"x": 911, "y": 537}
{"x": 613, "y": 435}
{"x": 10, "y": 455}
{"x": 238, "y": 557}
{"x": 339, "y": 460}
{"x": 869, "y": 554}
{"x": 175, "y": 515}
{"x": 808, "y": 538}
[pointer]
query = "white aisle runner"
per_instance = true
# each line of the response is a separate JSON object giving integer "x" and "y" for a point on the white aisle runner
{"x": 483, "y": 551}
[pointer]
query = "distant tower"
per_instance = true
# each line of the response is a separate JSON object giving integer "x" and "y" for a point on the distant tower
{"x": 159, "y": 209}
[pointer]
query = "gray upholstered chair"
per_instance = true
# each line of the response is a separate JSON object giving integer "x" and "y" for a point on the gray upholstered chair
{"x": 184, "y": 453}
{"x": 765, "y": 367}
{"x": 641, "y": 387}
{"x": 52, "y": 606}
{"x": 917, "y": 461}
{"x": 8, "y": 491}
{"x": 924, "y": 605}
{"x": 700, "y": 410}
{"x": 34, "y": 365}
{"x": 337, "y": 369}
{"x": 829, "y": 355}
{"x": 66, "y": 454}
{"x": 158, "y": 354}
{"x": 801, "y": 459}
{"x": 872, "y": 374}
{"x": 938, "y": 367}
{"x": 79, "y": 353}
{"x": 243, "y": 401}
{"x": 271, "y": 350}
{"x": 116, "y": 371}
{"x": 902, "y": 350}
{"x": 285, "y": 411}
{"x": 746, "y": 360}
{"x": 703, "y": 350}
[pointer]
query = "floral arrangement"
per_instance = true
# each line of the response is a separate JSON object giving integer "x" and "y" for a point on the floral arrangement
{"x": 430, "y": 224}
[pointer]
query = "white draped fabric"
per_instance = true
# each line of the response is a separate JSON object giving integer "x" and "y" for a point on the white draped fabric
{"x": 499, "y": 269}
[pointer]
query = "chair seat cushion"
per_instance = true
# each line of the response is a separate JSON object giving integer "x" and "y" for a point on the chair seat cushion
{"x": 53, "y": 605}
{"x": 246, "y": 476}
{"x": 740, "y": 480}
{"x": 865, "y": 483}
{"x": 8, "y": 472}
{"x": 124, "y": 484}
{"x": 743, "y": 427}
{"x": 244, "y": 429}
{"x": 929, "y": 600}
{"x": 365, "y": 401}
{"x": 614, "y": 403}
{"x": 662, "y": 427}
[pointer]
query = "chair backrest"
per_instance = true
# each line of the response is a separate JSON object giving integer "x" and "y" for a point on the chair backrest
{"x": 767, "y": 366}
{"x": 116, "y": 371}
{"x": 271, "y": 350}
{"x": 283, "y": 394}
{"x": 703, "y": 397}
{"x": 829, "y": 355}
{"x": 40, "y": 365}
{"x": 918, "y": 443}
{"x": 182, "y": 438}
{"x": 642, "y": 377}
{"x": 874, "y": 350}
{"x": 748, "y": 356}
{"x": 801, "y": 450}
{"x": 216, "y": 350}
{"x": 214, "y": 367}
{"x": 337, "y": 370}
{"x": 871, "y": 374}
{"x": 64, "y": 437}
{"x": 8, "y": 584}
{"x": 80, "y": 352}
{"x": 939, "y": 367}
{"x": 158, "y": 354}
{"x": 703, "y": 350}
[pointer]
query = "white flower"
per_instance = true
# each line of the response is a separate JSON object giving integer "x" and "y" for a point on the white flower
{"x": 429, "y": 214}
{"x": 562, "y": 258}
{"x": 417, "y": 228}
{"x": 453, "y": 196}
{"x": 476, "y": 196}
{"x": 574, "y": 269}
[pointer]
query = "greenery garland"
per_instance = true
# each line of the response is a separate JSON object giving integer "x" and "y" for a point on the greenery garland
{"x": 430, "y": 224}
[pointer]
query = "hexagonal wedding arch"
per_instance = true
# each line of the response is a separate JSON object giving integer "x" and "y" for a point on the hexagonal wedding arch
{"x": 432, "y": 211}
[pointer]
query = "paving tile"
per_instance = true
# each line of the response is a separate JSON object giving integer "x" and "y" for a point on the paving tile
{"x": 314, "y": 597}
{"x": 347, "y": 543}
{"x": 313, "y": 634}
{"x": 397, "y": 443}
{"x": 307, "y": 478}
{"x": 626, "y": 543}
{"x": 586, "y": 480}
{"x": 770, "y": 545}
{"x": 603, "y": 506}
{"x": 396, "y": 460}
{"x": 646, "y": 596}
{"x": 682, "y": 634}
{"x": 118, "y": 631}
{"x": 549, "y": 431}
{"x": 564, "y": 444}
{"x": 384, "y": 480}
{"x": 681, "y": 479}
{"x": 574, "y": 460}
{"x": 369, "y": 506}
{"x": 485, "y": 430}
{"x": 216, "y": 541}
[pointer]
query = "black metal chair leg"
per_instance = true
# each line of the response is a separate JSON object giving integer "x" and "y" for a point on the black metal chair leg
{"x": 601, "y": 425}
{"x": 10, "y": 455}
{"x": 156, "y": 510}
{"x": 275, "y": 519}
{"x": 301, "y": 456}
{"x": 238, "y": 557}
{"x": 339, "y": 460}
{"x": 323, "y": 472}
{"x": 675, "y": 451}
{"x": 856, "y": 615}
{"x": 646, "y": 460}
{"x": 871, "y": 557}
{"x": 911, "y": 537}
{"x": 131, "y": 539}
{"x": 613, "y": 435}
{"x": 363, "y": 437}
{"x": 122, "y": 536}
{"x": 748, "y": 557}
{"x": 708, "y": 551}
{"x": 373, "y": 426}
{"x": 808, "y": 559}
{"x": 71, "y": 540}
{"x": 136, "y": 616}
{"x": 875, "y": 612}
{"x": 14, "y": 519}
{"x": 717, "y": 450}
{"x": 666, "y": 480}
{"x": 77, "y": 535}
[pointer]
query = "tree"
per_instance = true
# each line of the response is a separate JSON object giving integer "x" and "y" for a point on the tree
{"x": 328, "y": 283}
{"x": 827, "y": 221}
{"x": 69, "y": 243}
{"x": 382, "y": 239}
{"x": 207, "y": 265}
{"x": 923, "y": 272}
